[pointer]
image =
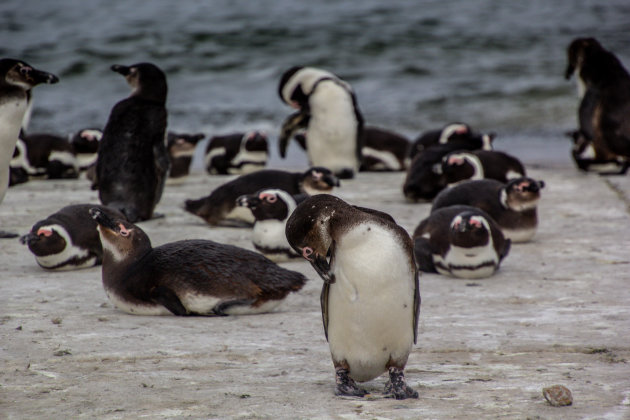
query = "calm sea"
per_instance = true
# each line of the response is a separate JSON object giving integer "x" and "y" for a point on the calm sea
{"x": 415, "y": 65}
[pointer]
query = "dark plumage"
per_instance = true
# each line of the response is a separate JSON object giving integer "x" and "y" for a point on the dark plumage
{"x": 181, "y": 149}
{"x": 452, "y": 133}
{"x": 384, "y": 150}
{"x": 237, "y": 153}
{"x": 479, "y": 164}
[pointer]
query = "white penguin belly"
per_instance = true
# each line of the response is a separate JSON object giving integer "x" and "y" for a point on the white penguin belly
{"x": 241, "y": 213}
{"x": 269, "y": 234}
{"x": 332, "y": 131}
{"x": 11, "y": 116}
{"x": 133, "y": 308}
{"x": 388, "y": 159}
{"x": 370, "y": 306}
{"x": 468, "y": 263}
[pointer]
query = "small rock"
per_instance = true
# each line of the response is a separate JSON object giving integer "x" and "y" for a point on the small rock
{"x": 558, "y": 395}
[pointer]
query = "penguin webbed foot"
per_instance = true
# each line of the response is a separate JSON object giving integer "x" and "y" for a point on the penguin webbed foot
{"x": 346, "y": 385}
{"x": 221, "y": 307}
{"x": 396, "y": 386}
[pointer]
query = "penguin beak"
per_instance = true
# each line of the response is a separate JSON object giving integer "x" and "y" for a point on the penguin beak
{"x": 124, "y": 70}
{"x": 103, "y": 220}
{"x": 331, "y": 180}
{"x": 29, "y": 238}
{"x": 321, "y": 265}
{"x": 250, "y": 201}
{"x": 37, "y": 77}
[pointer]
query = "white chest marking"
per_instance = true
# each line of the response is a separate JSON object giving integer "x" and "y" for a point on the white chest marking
{"x": 479, "y": 261}
{"x": 66, "y": 158}
{"x": 513, "y": 174}
{"x": 69, "y": 252}
{"x": 217, "y": 151}
{"x": 135, "y": 309}
{"x": 388, "y": 160}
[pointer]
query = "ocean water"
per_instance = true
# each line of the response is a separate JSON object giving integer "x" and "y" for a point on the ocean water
{"x": 415, "y": 65}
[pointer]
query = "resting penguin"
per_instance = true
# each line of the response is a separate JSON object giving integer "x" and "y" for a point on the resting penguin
{"x": 85, "y": 145}
{"x": 181, "y": 149}
{"x": 191, "y": 277}
{"x": 220, "y": 206}
{"x": 132, "y": 163}
{"x": 46, "y": 155}
{"x": 601, "y": 160}
{"x": 370, "y": 299}
{"x": 460, "y": 241}
{"x": 271, "y": 208}
{"x": 479, "y": 164}
{"x": 239, "y": 153}
{"x": 384, "y": 150}
{"x": 16, "y": 80}
{"x": 328, "y": 111}
{"x": 67, "y": 239}
{"x": 511, "y": 205}
{"x": 452, "y": 133}
{"x": 604, "y": 90}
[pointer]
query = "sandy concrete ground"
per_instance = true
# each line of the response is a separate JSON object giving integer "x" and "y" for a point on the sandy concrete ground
{"x": 558, "y": 312}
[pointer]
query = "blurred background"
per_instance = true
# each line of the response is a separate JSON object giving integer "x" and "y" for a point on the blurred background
{"x": 415, "y": 65}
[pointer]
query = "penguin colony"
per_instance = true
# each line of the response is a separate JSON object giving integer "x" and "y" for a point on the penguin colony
{"x": 483, "y": 204}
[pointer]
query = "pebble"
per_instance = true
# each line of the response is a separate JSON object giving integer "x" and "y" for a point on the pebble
{"x": 558, "y": 395}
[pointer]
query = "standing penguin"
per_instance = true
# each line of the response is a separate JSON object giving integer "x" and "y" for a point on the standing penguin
{"x": 328, "y": 111}
{"x": 132, "y": 163}
{"x": 16, "y": 80}
{"x": 370, "y": 299}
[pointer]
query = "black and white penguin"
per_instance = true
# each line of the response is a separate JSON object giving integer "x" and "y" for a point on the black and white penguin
{"x": 604, "y": 91}
{"x": 384, "y": 150}
{"x": 67, "y": 239}
{"x": 370, "y": 299}
{"x": 191, "y": 277}
{"x": 220, "y": 206}
{"x": 181, "y": 149}
{"x": 512, "y": 205}
{"x": 46, "y": 155}
{"x": 460, "y": 241}
{"x": 452, "y": 133}
{"x": 132, "y": 164}
{"x": 271, "y": 209}
{"x": 479, "y": 164}
{"x": 329, "y": 114}
{"x": 85, "y": 145}
{"x": 16, "y": 80}
{"x": 590, "y": 159}
{"x": 239, "y": 153}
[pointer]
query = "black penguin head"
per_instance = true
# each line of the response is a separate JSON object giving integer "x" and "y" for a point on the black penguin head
{"x": 425, "y": 178}
{"x": 284, "y": 79}
{"x": 256, "y": 141}
{"x": 469, "y": 229}
{"x": 146, "y": 80}
{"x": 521, "y": 193}
{"x": 19, "y": 74}
{"x": 298, "y": 83}
{"x": 46, "y": 239}
{"x": 318, "y": 180}
{"x": 456, "y": 167}
{"x": 120, "y": 238}
{"x": 578, "y": 49}
{"x": 86, "y": 140}
{"x": 268, "y": 204}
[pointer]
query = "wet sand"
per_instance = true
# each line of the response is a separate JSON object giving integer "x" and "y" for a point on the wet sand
{"x": 558, "y": 312}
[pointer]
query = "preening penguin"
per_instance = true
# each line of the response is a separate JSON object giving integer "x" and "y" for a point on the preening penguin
{"x": 191, "y": 277}
{"x": 329, "y": 114}
{"x": 370, "y": 299}
{"x": 132, "y": 163}
{"x": 16, "y": 80}
{"x": 461, "y": 241}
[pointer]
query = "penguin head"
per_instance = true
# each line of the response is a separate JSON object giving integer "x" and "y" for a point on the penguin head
{"x": 577, "y": 51}
{"x": 318, "y": 180}
{"x": 425, "y": 177}
{"x": 457, "y": 167}
{"x": 298, "y": 83}
{"x": 521, "y": 193}
{"x": 19, "y": 74}
{"x": 454, "y": 132}
{"x": 86, "y": 140}
{"x": 469, "y": 229}
{"x": 309, "y": 231}
{"x": 256, "y": 141}
{"x": 146, "y": 80}
{"x": 46, "y": 239}
{"x": 268, "y": 204}
{"x": 119, "y": 237}
{"x": 179, "y": 145}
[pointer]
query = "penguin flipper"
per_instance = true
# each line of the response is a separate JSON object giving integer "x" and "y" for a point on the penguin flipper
{"x": 324, "y": 303}
{"x": 293, "y": 123}
{"x": 424, "y": 255}
{"x": 169, "y": 299}
{"x": 221, "y": 307}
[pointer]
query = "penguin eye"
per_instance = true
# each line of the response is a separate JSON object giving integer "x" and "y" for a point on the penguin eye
{"x": 123, "y": 230}
{"x": 271, "y": 198}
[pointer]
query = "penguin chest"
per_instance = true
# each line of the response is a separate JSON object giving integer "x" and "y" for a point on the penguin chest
{"x": 370, "y": 306}
{"x": 11, "y": 115}
{"x": 473, "y": 262}
{"x": 269, "y": 237}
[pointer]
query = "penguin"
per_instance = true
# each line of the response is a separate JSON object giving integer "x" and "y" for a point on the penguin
{"x": 384, "y": 150}
{"x": 460, "y": 166}
{"x": 512, "y": 205}
{"x": 132, "y": 164}
{"x": 271, "y": 209}
{"x": 67, "y": 239}
{"x": 85, "y": 145}
{"x": 452, "y": 133}
{"x": 220, "y": 206}
{"x": 460, "y": 241}
{"x": 190, "y": 277}
{"x": 17, "y": 78}
{"x": 181, "y": 149}
{"x": 604, "y": 91}
{"x": 46, "y": 155}
{"x": 238, "y": 153}
{"x": 329, "y": 113}
{"x": 587, "y": 158}
{"x": 370, "y": 298}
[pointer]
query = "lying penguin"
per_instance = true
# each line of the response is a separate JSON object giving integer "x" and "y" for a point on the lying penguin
{"x": 384, "y": 150}
{"x": 85, "y": 145}
{"x": 181, "y": 149}
{"x": 220, "y": 206}
{"x": 512, "y": 205}
{"x": 370, "y": 299}
{"x": 190, "y": 277}
{"x": 479, "y": 164}
{"x": 45, "y": 155}
{"x": 460, "y": 241}
{"x": 67, "y": 239}
{"x": 239, "y": 153}
{"x": 271, "y": 208}
{"x": 452, "y": 133}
